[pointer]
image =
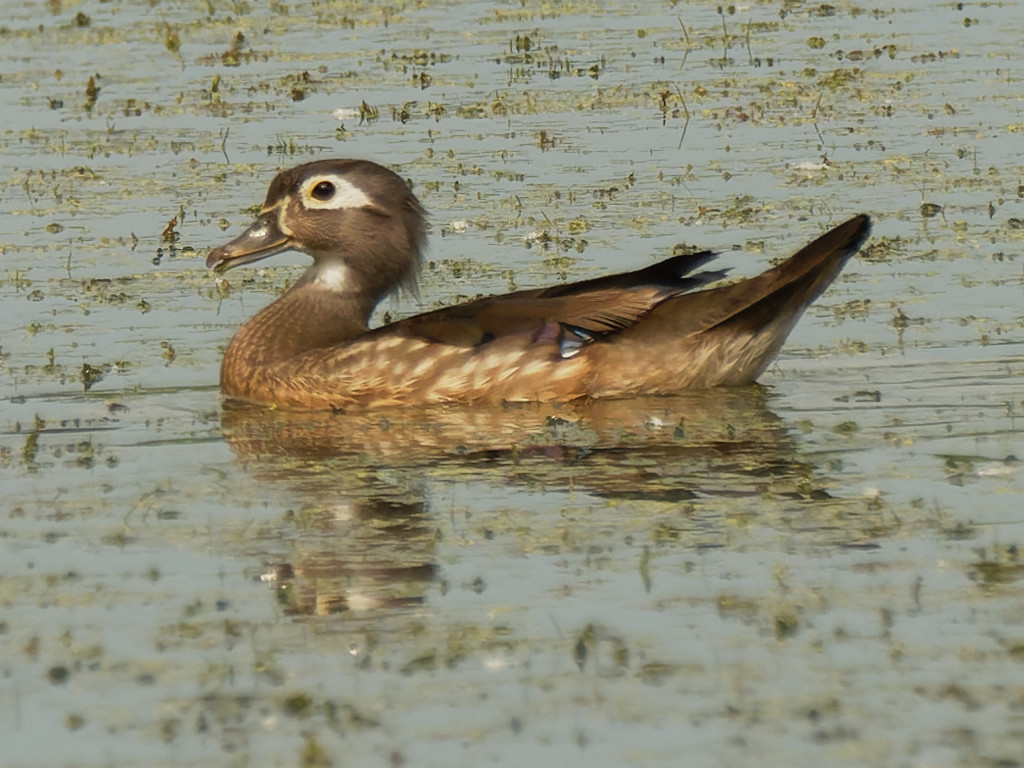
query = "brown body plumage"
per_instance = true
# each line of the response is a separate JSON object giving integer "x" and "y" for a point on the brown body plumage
{"x": 657, "y": 330}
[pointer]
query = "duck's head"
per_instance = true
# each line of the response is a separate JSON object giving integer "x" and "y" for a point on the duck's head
{"x": 359, "y": 221}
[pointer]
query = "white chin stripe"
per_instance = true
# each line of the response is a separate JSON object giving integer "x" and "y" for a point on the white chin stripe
{"x": 346, "y": 194}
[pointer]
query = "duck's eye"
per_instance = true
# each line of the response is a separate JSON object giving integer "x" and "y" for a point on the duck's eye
{"x": 323, "y": 191}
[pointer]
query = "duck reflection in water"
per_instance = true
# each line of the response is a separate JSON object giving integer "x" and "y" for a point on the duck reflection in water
{"x": 364, "y": 488}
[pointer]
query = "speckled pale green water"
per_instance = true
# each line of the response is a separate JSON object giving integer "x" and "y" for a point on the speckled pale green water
{"x": 825, "y": 571}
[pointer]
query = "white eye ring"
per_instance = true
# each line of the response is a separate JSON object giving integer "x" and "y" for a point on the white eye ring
{"x": 346, "y": 194}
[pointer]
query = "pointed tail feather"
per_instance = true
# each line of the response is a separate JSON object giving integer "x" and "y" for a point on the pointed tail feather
{"x": 724, "y": 336}
{"x": 785, "y": 291}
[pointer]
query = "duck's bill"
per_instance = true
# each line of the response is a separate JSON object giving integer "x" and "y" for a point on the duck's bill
{"x": 263, "y": 238}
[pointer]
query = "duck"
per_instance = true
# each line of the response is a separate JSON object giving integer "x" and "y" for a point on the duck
{"x": 661, "y": 329}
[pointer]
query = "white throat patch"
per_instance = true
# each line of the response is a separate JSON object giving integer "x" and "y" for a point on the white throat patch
{"x": 346, "y": 194}
{"x": 336, "y": 278}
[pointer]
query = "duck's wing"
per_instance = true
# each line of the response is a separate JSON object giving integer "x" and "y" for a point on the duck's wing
{"x": 589, "y": 309}
{"x": 657, "y": 333}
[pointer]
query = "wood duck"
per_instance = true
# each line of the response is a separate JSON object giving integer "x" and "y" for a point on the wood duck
{"x": 657, "y": 330}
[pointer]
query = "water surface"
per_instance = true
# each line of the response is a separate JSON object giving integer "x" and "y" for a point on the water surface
{"x": 821, "y": 571}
